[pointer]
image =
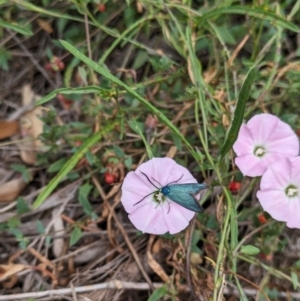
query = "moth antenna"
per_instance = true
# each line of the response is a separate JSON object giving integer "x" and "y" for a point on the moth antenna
{"x": 149, "y": 180}
{"x": 169, "y": 207}
{"x": 144, "y": 198}
{"x": 176, "y": 180}
{"x": 156, "y": 181}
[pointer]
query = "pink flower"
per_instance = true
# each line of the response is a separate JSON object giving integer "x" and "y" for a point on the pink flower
{"x": 279, "y": 192}
{"x": 156, "y": 214}
{"x": 262, "y": 141}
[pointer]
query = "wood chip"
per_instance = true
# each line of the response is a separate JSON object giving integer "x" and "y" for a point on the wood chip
{"x": 8, "y": 128}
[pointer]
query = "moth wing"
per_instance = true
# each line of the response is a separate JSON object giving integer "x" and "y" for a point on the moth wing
{"x": 184, "y": 195}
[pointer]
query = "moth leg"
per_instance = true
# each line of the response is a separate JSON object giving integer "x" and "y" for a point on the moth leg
{"x": 176, "y": 180}
{"x": 169, "y": 206}
{"x": 143, "y": 198}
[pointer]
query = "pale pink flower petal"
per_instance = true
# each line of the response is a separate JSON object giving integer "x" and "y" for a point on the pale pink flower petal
{"x": 131, "y": 194}
{"x": 272, "y": 202}
{"x": 294, "y": 219}
{"x": 278, "y": 176}
{"x": 244, "y": 143}
{"x": 262, "y": 126}
{"x": 148, "y": 215}
{"x": 279, "y": 192}
{"x": 295, "y": 170}
{"x": 182, "y": 218}
{"x": 250, "y": 165}
{"x": 263, "y": 140}
{"x": 149, "y": 219}
{"x": 288, "y": 145}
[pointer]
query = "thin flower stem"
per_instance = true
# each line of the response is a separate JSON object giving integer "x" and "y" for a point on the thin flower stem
{"x": 221, "y": 251}
{"x": 245, "y": 238}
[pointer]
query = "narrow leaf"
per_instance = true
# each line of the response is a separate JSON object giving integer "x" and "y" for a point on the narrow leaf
{"x": 295, "y": 280}
{"x": 158, "y": 294}
{"x": 16, "y": 28}
{"x": 75, "y": 236}
{"x": 250, "y": 250}
{"x": 71, "y": 164}
{"x": 252, "y": 12}
{"x": 239, "y": 112}
{"x": 79, "y": 90}
{"x": 104, "y": 72}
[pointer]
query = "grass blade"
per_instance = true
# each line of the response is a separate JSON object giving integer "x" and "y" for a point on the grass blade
{"x": 249, "y": 11}
{"x": 16, "y": 28}
{"x": 104, "y": 72}
{"x": 79, "y": 90}
{"x": 71, "y": 164}
{"x": 239, "y": 112}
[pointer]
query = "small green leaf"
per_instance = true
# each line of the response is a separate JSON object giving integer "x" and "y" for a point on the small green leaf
{"x": 23, "y": 243}
{"x": 22, "y": 206}
{"x": 118, "y": 151}
{"x": 75, "y": 236}
{"x": 16, "y": 28}
{"x": 73, "y": 176}
{"x": 128, "y": 162}
{"x": 5, "y": 56}
{"x": 256, "y": 12}
{"x": 40, "y": 227}
{"x": 70, "y": 91}
{"x": 140, "y": 59}
{"x": 13, "y": 223}
{"x": 250, "y": 250}
{"x": 158, "y": 294}
{"x": 57, "y": 166}
{"x": 83, "y": 74}
{"x": 22, "y": 170}
{"x": 196, "y": 249}
{"x": 17, "y": 233}
{"x": 297, "y": 264}
{"x": 84, "y": 191}
{"x": 136, "y": 126}
{"x": 91, "y": 158}
{"x": 177, "y": 141}
{"x": 239, "y": 112}
{"x": 295, "y": 281}
{"x": 48, "y": 239}
{"x": 71, "y": 163}
{"x": 197, "y": 234}
{"x": 105, "y": 73}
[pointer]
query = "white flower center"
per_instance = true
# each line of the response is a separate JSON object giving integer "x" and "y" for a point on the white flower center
{"x": 259, "y": 151}
{"x": 291, "y": 191}
{"x": 159, "y": 197}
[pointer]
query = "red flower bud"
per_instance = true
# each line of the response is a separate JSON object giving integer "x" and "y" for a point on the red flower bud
{"x": 101, "y": 8}
{"x": 262, "y": 219}
{"x": 234, "y": 187}
{"x": 109, "y": 178}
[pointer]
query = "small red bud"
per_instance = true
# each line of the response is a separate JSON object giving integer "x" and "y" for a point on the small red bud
{"x": 267, "y": 257}
{"x": 109, "y": 178}
{"x": 48, "y": 67}
{"x": 262, "y": 219}
{"x": 234, "y": 187}
{"x": 67, "y": 103}
{"x": 151, "y": 122}
{"x": 101, "y": 8}
{"x": 55, "y": 65}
